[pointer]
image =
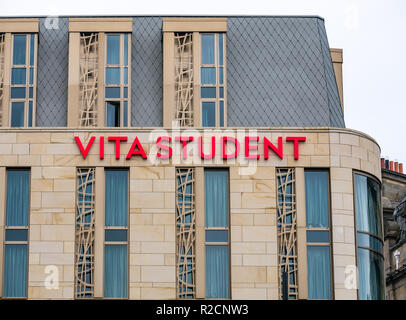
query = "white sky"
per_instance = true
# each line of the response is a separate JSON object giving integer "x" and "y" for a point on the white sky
{"x": 371, "y": 33}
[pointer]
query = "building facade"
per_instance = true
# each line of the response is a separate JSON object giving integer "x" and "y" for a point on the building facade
{"x": 393, "y": 203}
{"x": 182, "y": 158}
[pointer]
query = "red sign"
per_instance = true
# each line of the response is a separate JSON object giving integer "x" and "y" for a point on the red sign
{"x": 164, "y": 144}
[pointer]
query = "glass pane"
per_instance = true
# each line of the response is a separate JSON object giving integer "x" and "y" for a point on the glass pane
{"x": 19, "y": 49}
{"x": 208, "y": 114}
{"x": 207, "y": 48}
{"x": 15, "y": 270}
{"x": 18, "y": 93}
{"x": 221, "y": 113}
{"x": 31, "y": 76}
{"x": 318, "y": 236}
{"x": 208, "y": 75}
{"x": 17, "y": 209}
{"x": 221, "y": 77}
{"x": 365, "y": 240}
{"x": 125, "y": 114}
{"x": 112, "y": 75}
{"x": 115, "y": 271}
{"x": 113, "y": 49}
{"x": 216, "y": 198}
{"x": 125, "y": 92}
{"x": 112, "y": 92}
{"x": 317, "y": 199}
{"x": 216, "y": 236}
{"x": 318, "y": 272}
{"x": 30, "y": 114}
{"x": 18, "y": 76}
{"x": 115, "y": 235}
{"x": 367, "y": 205}
{"x": 113, "y": 114}
{"x": 208, "y": 92}
{"x": 17, "y": 114}
{"x": 371, "y": 276}
{"x": 16, "y": 235}
{"x": 220, "y": 49}
{"x": 116, "y": 203}
{"x": 32, "y": 43}
{"x": 217, "y": 272}
{"x": 221, "y": 92}
{"x": 125, "y": 75}
{"x": 126, "y": 49}
{"x": 31, "y": 92}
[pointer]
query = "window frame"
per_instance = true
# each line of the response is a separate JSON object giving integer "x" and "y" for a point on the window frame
{"x": 27, "y": 242}
{"x": 367, "y": 175}
{"x": 329, "y": 229}
{"x": 122, "y": 85}
{"x": 27, "y": 66}
{"x": 127, "y": 243}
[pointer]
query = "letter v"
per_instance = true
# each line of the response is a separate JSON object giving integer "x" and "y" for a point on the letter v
{"x": 83, "y": 151}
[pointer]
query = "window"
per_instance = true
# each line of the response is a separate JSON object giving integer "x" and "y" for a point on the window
{"x": 23, "y": 80}
{"x": 16, "y": 233}
{"x": 194, "y": 76}
{"x": 212, "y": 79}
{"x": 217, "y": 233}
{"x": 116, "y": 80}
{"x": 368, "y": 216}
{"x": 116, "y": 234}
{"x": 318, "y": 234}
{"x": 2, "y": 67}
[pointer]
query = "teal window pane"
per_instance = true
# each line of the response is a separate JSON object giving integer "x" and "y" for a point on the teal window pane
{"x": 207, "y": 48}
{"x": 17, "y": 114}
{"x": 115, "y": 235}
{"x": 15, "y": 270}
{"x": 30, "y": 113}
{"x": 116, "y": 203}
{"x": 18, "y": 76}
{"x": 113, "y": 49}
{"x": 220, "y": 49}
{"x": 31, "y": 92}
{"x": 17, "y": 208}
{"x": 208, "y": 75}
{"x": 318, "y": 236}
{"x": 317, "y": 199}
{"x": 126, "y": 49}
{"x": 125, "y": 92}
{"x": 112, "y": 75}
{"x": 216, "y": 236}
{"x": 208, "y": 114}
{"x": 125, "y": 114}
{"x": 216, "y": 197}
{"x": 368, "y": 205}
{"x": 208, "y": 92}
{"x": 365, "y": 240}
{"x": 221, "y": 92}
{"x": 18, "y": 93}
{"x": 112, "y": 92}
{"x": 115, "y": 271}
{"x": 16, "y": 234}
{"x": 113, "y": 114}
{"x": 19, "y": 49}
{"x": 217, "y": 272}
{"x": 371, "y": 275}
{"x": 221, "y": 113}
{"x": 32, "y": 44}
{"x": 125, "y": 75}
{"x": 221, "y": 76}
{"x": 31, "y": 76}
{"x": 318, "y": 272}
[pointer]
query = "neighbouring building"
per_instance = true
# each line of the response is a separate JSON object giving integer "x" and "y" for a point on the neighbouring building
{"x": 182, "y": 158}
{"x": 394, "y": 215}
